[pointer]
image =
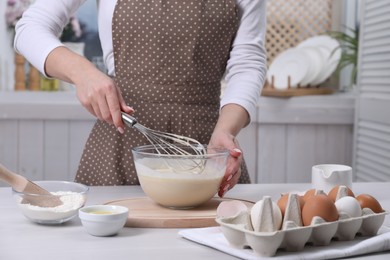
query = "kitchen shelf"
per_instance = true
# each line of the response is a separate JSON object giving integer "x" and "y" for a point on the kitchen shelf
{"x": 41, "y": 105}
{"x": 337, "y": 108}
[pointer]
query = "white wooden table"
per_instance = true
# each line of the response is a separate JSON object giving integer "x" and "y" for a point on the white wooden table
{"x": 21, "y": 239}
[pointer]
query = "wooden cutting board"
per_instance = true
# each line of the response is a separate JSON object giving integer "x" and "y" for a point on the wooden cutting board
{"x": 145, "y": 213}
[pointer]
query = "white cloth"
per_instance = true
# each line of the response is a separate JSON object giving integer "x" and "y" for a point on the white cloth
{"x": 214, "y": 238}
{"x": 38, "y": 31}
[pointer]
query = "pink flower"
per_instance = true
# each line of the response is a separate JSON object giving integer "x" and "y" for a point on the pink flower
{"x": 11, "y": 2}
{"x": 14, "y": 10}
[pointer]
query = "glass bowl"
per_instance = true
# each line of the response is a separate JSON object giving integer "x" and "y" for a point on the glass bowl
{"x": 180, "y": 181}
{"x": 73, "y": 195}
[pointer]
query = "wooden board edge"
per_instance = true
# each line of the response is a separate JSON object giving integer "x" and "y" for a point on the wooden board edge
{"x": 291, "y": 92}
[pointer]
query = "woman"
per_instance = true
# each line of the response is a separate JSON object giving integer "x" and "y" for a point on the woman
{"x": 165, "y": 61}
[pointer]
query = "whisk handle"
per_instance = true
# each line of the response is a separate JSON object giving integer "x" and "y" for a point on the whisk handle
{"x": 128, "y": 120}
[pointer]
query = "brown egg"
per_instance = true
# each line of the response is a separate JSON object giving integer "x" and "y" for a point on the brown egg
{"x": 368, "y": 201}
{"x": 282, "y": 202}
{"x": 319, "y": 205}
{"x": 333, "y": 192}
{"x": 309, "y": 194}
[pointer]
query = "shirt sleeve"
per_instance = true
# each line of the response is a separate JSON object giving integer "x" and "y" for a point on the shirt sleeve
{"x": 247, "y": 65}
{"x": 39, "y": 29}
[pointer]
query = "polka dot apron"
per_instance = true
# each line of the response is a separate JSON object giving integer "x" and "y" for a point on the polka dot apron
{"x": 169, "y": 59}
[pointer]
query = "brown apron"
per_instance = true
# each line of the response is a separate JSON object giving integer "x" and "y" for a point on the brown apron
{"x": 169, "y": 59}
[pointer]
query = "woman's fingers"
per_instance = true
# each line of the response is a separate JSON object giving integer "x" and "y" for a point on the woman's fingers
{"x": 233, "y": 171}
{"x": 235, "y": 152}
{"x": 123, "y": 107}
{"x": 230, "y": 182}
{"x": 96, "y": 110}
{"x": 113, "y": 101}
{"x": 101, "y": 97}
{"x": 105, "y": 112}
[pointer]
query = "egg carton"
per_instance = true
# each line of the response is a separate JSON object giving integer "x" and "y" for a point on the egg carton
{"x": 292, "y": 236}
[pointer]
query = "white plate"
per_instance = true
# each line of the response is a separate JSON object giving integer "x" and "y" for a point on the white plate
{"x": 332, "y": 51}
{"x": 317, "y": 62}
{"x": 293, "y": 63}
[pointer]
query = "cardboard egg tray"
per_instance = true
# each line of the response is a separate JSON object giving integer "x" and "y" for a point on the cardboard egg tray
{"x": 239, "y": 232}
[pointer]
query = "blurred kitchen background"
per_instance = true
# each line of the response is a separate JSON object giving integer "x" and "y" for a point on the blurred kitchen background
{"x": 43, "y": 128}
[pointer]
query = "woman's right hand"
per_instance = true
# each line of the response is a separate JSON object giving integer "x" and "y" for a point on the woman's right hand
{"x": 96, "y": 91}
{"x": 99, "y": 94}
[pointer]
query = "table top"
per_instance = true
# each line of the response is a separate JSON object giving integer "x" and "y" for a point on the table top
{"x": 22, "y": 239}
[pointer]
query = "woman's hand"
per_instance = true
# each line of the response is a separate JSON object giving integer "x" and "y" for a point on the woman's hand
{"x": 231, "y": 120}
{"x": 233, "y": 168}
{"x": 102, "y": 98}
{"x": 96, "y": 91}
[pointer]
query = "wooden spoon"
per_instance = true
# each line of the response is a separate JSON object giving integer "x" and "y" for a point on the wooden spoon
{"x": 23, "y": 185}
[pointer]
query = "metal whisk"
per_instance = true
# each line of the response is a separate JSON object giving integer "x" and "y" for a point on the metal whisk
{"x": 171, "y": 145}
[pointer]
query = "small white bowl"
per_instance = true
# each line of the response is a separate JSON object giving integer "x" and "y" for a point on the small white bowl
{"x": 103, "y": 220}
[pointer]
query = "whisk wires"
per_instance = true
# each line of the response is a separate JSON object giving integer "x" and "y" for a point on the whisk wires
{"x": 173, "y": 146}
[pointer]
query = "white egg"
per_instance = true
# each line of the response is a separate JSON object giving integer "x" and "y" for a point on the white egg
{"x": 266, "y": 216}
{"x": 348, "y": 205}
{"x": 230, "y": 208}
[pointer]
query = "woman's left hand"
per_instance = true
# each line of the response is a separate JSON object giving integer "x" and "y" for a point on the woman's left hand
{"x": 233, "y": 169}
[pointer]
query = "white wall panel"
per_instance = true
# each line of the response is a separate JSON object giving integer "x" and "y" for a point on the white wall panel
{"x": 30, "y": 149}
{"x": 78, "y": 134}
{"x": 9, "y": 144}
{"x": 55, "y": 149}
{"x": 272, "y": 154}
{"x": 301, "y": 149}
{"x": 309, "y": 145}
{"x": 336, "y": 142}
{"x": 248, "y": 140}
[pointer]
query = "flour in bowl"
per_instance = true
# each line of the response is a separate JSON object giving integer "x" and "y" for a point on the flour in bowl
{"x": 72, "y": 201}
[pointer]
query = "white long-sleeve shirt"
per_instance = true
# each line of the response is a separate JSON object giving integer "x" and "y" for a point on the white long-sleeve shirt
{"x": 37, "y": 34}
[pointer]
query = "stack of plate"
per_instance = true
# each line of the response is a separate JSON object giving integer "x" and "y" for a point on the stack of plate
{"x": 309, "y": 64}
